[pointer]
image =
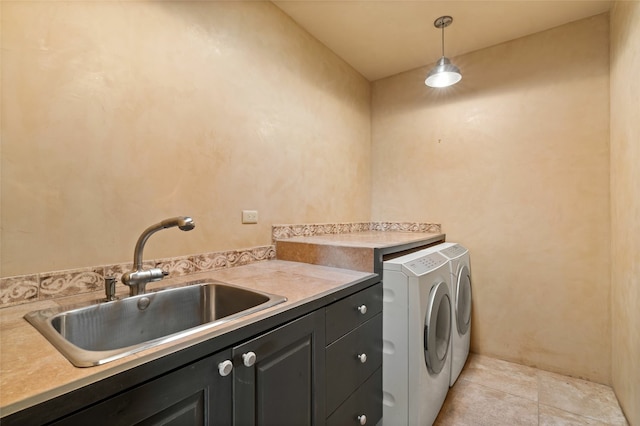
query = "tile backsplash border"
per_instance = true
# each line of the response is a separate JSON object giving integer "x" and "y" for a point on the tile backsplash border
{"x": 279, "y": 232}
{"x": 21, "y": 289}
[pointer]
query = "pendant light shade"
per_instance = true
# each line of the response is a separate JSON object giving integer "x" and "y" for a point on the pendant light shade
{"x": 444, "y": 74}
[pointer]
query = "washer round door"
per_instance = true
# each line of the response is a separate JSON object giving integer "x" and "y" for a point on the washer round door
{"x": 463, "y": 300}
{"x": 437, "y": 328}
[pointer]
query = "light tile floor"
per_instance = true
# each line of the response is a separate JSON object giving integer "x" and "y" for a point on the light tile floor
{"x": 492, "y": 392}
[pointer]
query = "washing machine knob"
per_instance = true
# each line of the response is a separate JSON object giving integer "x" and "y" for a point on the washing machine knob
{"x": 362, "y": 357}
{"x": 362, "y": 419}
{"x": 362, "y": 309}
{"x": 249, "y": 359}
{"x": 225, "y": 367}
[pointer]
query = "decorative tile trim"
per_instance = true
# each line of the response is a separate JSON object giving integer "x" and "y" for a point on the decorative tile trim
{"x": 229, "y": 259}
{"x": 48, "y": 285}
{"x": 119, "y": 269}
{"x": 67, "y": 283}
{"x": 434, "y": 228}
{"x": 177, "y": 266}
{"x": 210, "y": 261}
{"x": 17, "y": 290}
{"x": 311, "y": 229}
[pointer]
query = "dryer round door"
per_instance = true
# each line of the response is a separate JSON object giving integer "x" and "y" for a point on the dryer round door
{"x": 463, "y": 300}
{"x": 437, "y": 328}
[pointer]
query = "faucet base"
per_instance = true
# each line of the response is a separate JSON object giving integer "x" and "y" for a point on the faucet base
{"x": 137, "y": 280}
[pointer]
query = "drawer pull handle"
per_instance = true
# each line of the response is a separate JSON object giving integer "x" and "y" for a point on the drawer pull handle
{"x": 362, "y": 419}
{"x": 249, "y": 359}
{"x": 362, "y": 309}
{"x": 362, "y": 358}
{"x": 225, "y": 367}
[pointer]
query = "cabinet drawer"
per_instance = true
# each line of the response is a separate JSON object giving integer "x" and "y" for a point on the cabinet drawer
{"x": 365, "y": 401}
{"x": 345, "y": 371}
{"x": 346, "y": 314}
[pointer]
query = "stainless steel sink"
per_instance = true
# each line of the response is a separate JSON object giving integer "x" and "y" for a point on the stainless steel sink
{"x": 96, "y": 334}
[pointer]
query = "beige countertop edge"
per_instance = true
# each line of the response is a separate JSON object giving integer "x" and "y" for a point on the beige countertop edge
{"x": 366, "y": 239}
{"x": 274, "y": 276}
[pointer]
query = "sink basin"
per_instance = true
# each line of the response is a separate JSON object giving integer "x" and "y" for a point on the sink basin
{"x": 96, "y": 334}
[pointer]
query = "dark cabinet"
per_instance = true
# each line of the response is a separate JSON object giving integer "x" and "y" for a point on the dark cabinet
{"x": 323, "y": 366}
{"x": 354, "y": 358}
{"x": 278, "y": 376}
{"x": 198, "y": 394}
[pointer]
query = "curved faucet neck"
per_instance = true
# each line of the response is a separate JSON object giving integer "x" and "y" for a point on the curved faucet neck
{"x": 138, "y": 278}
{"x": 142, "y": 240}
{"x": 185, "y": 223}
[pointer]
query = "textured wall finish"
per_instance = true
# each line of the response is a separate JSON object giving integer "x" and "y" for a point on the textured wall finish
{"x": 514, "y": 162}
{"x": 625, "y": 206}
{"x": 116, "y": 115}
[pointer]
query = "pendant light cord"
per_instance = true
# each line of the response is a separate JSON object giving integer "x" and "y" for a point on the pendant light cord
{"x": 443, "y": 39}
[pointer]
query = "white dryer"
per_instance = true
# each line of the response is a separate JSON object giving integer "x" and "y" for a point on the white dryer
{"x": 416, "y": 328}
{"x": 460, "y": 269}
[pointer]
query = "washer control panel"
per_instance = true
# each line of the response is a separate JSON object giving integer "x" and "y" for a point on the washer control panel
{"x": 454, "y": 251}
{"x": 426, "y": 263}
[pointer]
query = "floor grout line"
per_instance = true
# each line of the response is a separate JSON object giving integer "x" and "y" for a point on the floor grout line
{"x": 538, "y": 393}
{"x": 586, "y": 416}
{"x": 499, "y": 390}
{"x": 508, "y": 393}
{"x": 493, "y": 376}
{"x": 539, "y": 388}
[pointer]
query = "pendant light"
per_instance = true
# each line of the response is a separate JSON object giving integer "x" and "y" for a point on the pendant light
{"x": 444, "y": 74}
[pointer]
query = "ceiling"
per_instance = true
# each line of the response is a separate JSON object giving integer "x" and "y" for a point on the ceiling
{"x": 380, "y": 38}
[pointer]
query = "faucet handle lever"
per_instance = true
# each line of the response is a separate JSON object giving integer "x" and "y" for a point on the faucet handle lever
{"x": 155, "y": 274}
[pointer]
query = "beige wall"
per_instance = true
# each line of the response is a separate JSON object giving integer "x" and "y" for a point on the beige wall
{"x": 514, "y": 162}
{"x": 625, "y": 206}
{"x": 116, "y": 115}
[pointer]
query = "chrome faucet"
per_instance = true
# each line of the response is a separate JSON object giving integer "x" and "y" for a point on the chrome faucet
{"x": 138, "y": 278}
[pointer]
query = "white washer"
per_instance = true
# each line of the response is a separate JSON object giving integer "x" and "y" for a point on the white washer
{"x": 460, "y": 269}
{"x": 460, "y": 289}
{"x": 416, "y": 328}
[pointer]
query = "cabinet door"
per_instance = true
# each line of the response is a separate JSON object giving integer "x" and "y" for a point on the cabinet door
{"x": 279, "y": 376}
{"x": 196, "y": 394}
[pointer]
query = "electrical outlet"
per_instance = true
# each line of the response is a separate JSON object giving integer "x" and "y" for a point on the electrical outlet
{"x": 249, "y": 216}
